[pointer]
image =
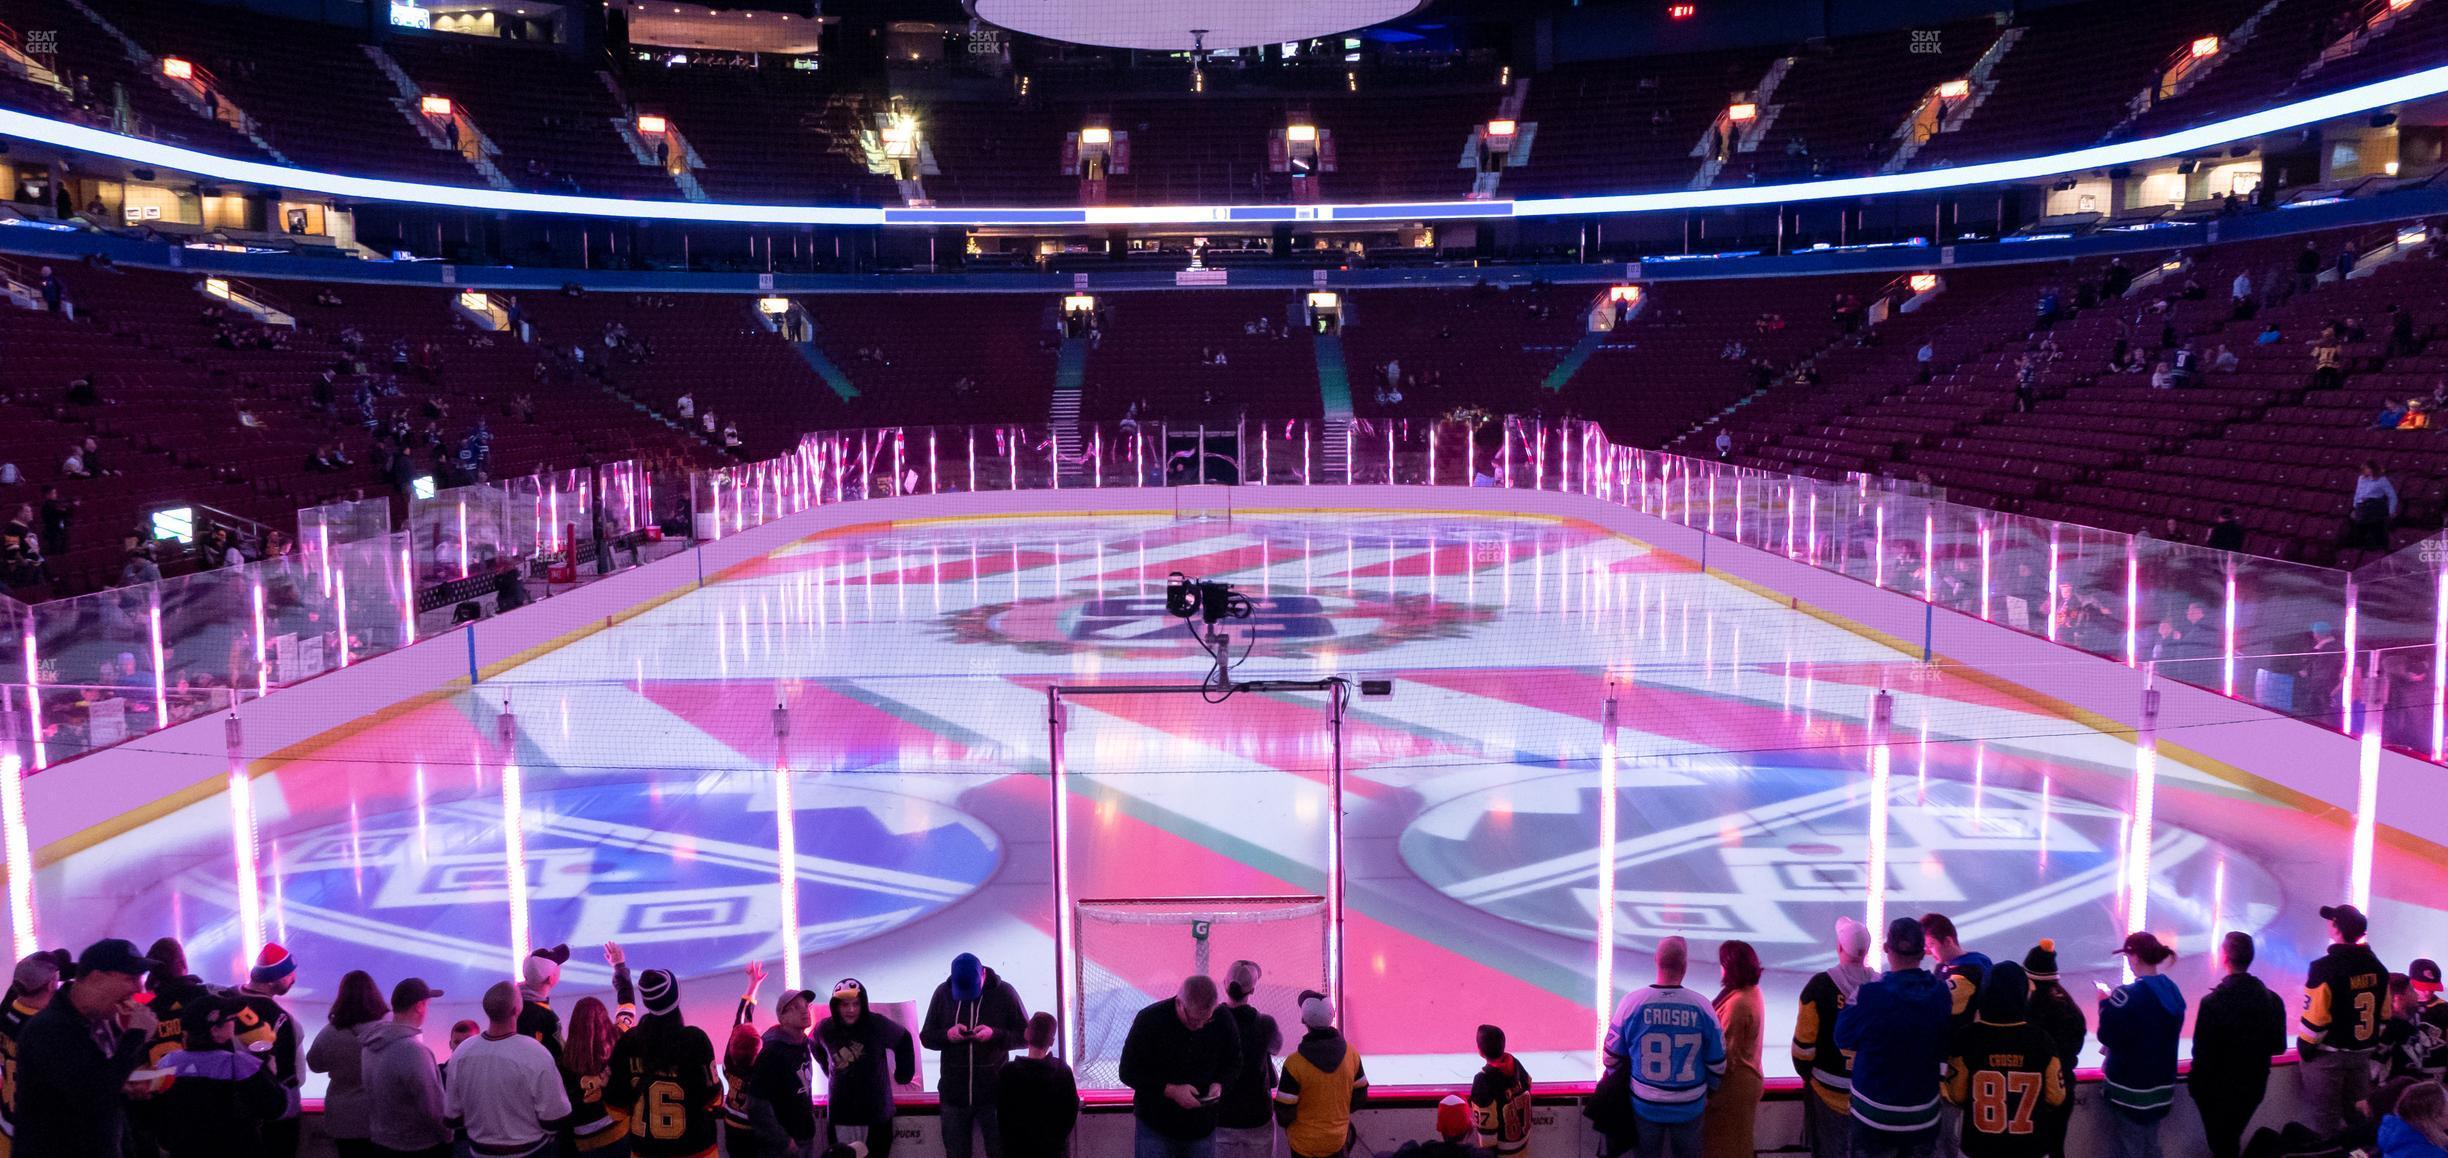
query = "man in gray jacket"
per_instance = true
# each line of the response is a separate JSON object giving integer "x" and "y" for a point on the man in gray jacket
{"x": 403, "y": 1089}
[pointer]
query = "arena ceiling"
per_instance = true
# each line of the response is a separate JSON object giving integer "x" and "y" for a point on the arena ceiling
{"x": 1180, "y": 25}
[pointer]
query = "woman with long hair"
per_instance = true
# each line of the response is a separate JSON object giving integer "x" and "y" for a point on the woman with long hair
{"x": 586, "y": 1068}
{"x": 336, "y": 1053}
{"x": 1729, "y": 1127}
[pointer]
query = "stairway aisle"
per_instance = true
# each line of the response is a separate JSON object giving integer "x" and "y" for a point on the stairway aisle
{"x": 1334, "y": 391}
{"x": 1063, "y": 415}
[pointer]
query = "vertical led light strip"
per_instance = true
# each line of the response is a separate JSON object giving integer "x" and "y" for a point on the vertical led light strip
{"x": 23, "y": 939}
{"x": 2367, "y": 803}
{"x": 1607, "y": 716}
{"x": 972, "y": 465}
{"x": 463, "y": 546}
{"x": 1878, "y": 550}
{"x": 514, "y": 839}
{"x": 408, "y": 607}
{"x": 2228, "y": 620}
{"x": 263, "y": 671}
{"x": 1929, "y": 555}
{"x": 1984, "y": 549}
{"x": 786, "y": 849}
{"x": 2346, "y": 679}
{"x": 1882, "y": 721}
{"x": 1336, "y": 698}
{"x": 2145, "y": 814}
{"x": 2133, "y": 598}
{"x": 932, "y": 488}
{"x": 1066, "y": 965}
{"x": 1790, "y": 518}
{"x": 2439, "y": 671}
{"x": 340, "y": 601}
{"x": 2052, "y": 591}
{"x": 243, "y": 839}
{"x": 161, "y": 685}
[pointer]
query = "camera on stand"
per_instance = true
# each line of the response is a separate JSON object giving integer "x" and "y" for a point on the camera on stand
{"x": 1206, "y": 600}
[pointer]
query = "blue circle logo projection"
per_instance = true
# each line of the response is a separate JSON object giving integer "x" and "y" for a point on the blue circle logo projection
{"x": 682, "y": 874}
{"x": 1773, "y": 855}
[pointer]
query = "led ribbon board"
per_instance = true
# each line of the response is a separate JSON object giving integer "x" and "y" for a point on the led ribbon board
{"x": 98, "y": 142}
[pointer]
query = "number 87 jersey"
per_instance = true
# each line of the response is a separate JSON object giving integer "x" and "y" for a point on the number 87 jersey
{"x": 2005, "y": 1077}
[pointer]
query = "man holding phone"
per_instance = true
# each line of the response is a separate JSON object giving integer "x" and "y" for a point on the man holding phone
{"x": 974, "y": 1020}
{"x": 1176, "y": 1059}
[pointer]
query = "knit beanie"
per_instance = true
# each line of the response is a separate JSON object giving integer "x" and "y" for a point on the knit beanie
{"x": 1453, "y": 1118}
{"x": 271, "y": 965}
{"x": 659, "y": 991}
{"x": 2041, "y": 963}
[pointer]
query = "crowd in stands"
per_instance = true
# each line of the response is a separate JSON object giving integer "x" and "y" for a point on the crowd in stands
{"x": 115, "y": 1051}
{"x": 168, "y": 397}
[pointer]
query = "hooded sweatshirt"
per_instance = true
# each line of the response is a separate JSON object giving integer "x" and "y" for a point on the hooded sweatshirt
{"x": 1896, "y": 1031}
{"x": 2138, "y": 1023}
{"x": 781, "y": 1091}
{"x": 338, "y": 1054}
{"x": 1827, "y": 1070}
{"x": 852, "y": 1056}
{"x": 1322, "y": 1083}
{"x": 403, "y": 1089}
{"x": 2400, "y": 1139}
{"x": 973, "y": 996}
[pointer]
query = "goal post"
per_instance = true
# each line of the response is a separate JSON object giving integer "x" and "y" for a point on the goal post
{"x": 1134, "y": 951}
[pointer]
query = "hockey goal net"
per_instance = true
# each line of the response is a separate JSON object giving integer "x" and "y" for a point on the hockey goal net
{"x": 1133, "y": 952}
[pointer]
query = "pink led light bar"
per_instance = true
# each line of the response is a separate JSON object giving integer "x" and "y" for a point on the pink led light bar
{"x": 23, "y": 938}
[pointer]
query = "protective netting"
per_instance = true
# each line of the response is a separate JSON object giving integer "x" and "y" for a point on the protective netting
{"x": 1133, "y": 952}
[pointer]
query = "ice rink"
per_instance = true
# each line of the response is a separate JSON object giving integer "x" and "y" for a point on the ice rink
{"x": 912, "y": 664}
